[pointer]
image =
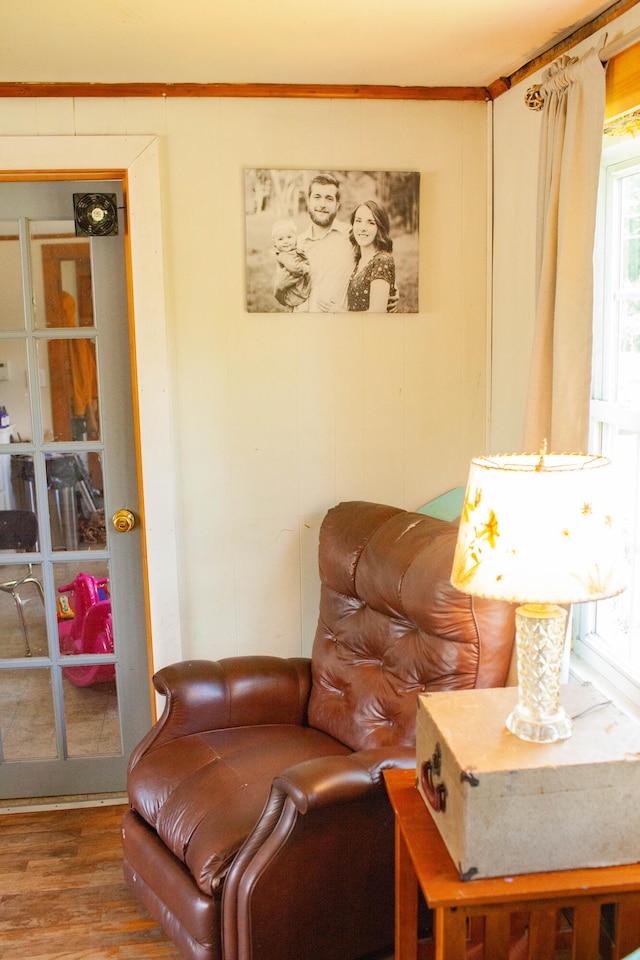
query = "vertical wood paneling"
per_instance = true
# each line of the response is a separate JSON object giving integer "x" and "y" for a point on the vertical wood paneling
{"x": 18, "y": 118}
{"x": 349, "y": 405}
{"x": 276, "y": 418}
{"x": 139, "y": 114}
{"x": 474, "y": 256}
{"x": 316, "y": 426}
{"x": 515, "y": 152}
{"x": 321, "y": 408}
{"x": 432, "y": 415}
{"x": 102, "y": 115}
{"x": 202, "y": 306}
{"x": 265, "y": 491}
{"x": 384, "y": 438}
{"x": 55, "y": 117}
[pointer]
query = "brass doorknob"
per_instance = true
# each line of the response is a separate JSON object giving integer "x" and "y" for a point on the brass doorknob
{"x": 123, "y": 521}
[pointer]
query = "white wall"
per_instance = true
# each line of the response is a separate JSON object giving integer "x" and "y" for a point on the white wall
{"x": 301, "y": 412}
{"x": 275, "y": 417}
{"x": 515, "y": 152}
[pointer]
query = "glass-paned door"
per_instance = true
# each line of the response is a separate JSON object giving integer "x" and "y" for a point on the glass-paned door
{"x": 74, "y": 693}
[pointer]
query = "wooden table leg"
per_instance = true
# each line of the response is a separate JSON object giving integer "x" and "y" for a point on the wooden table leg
{"x": 627, "y": 926}
{"x": 586, "y": 930}
{"x": 450, "y": 933}
{"x": 406, "y": 884}
{"x": 497, "y": 934}
{"x": 543, "y": 928}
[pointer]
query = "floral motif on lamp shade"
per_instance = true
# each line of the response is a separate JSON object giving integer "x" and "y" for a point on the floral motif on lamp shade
{"x": 539, "y": 533}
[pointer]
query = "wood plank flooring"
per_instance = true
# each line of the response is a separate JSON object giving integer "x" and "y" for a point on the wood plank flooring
{"x": 62, "y": 892}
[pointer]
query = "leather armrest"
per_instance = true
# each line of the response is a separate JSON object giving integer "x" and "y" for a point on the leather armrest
{"x": 206, "y": 695}
{"x": 343, "y": 847}
{"x": 325, "y": 780}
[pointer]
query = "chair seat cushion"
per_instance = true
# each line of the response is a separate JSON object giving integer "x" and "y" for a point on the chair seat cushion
{"x": 204, "y": 793}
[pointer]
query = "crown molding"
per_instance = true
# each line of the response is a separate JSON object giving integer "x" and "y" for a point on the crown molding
{"x": 78, "y": 89}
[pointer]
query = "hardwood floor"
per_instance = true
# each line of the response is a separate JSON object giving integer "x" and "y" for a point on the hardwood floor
{"x": 62, "y": 893}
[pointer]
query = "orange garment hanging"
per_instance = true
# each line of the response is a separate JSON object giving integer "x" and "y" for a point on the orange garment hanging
{"x": 82, "y": 364}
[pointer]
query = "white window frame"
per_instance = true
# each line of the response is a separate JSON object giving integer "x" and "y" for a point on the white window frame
{"x": 594, "y": 655}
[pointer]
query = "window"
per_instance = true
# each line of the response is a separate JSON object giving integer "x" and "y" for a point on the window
{"x": 607, "y": 633}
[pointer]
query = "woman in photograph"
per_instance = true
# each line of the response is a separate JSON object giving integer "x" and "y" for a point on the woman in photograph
{"x": 373, "y": 278}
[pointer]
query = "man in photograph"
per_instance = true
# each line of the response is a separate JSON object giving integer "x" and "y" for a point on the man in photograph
{"x": 327, "y": 247}
{"x": 330, "y": 254}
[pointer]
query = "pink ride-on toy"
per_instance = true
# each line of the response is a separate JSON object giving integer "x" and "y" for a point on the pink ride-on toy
{"x": 85, "y": 626}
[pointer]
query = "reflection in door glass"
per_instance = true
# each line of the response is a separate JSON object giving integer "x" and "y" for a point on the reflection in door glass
{"x": 15, "y": 410}
{"x": 22, "y": 621}
{"x": 11, "y": 302}
{"x": 23, "y": 631}
{"x": 61, "y": 262}
{"x": 74, "y": 497}
{"x": 26, "y": 715}
{"x": 85, "y": 626}
{"x": 69, "y": 389}
{"x": 91, "y": 717}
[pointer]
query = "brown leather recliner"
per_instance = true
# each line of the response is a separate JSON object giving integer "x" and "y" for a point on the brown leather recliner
{"x": 259, "y": 827}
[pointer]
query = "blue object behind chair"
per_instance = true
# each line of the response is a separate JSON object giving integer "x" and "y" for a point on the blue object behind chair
{"x": 446, "y": 507}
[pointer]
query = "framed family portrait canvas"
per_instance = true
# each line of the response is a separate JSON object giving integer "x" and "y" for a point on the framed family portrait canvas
{"x": 332, "y": 241}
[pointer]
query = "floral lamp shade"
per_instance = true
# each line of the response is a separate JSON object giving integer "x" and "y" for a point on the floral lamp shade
{"x": 538, "y": 529}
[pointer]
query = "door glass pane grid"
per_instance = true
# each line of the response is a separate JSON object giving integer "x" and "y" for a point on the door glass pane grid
{"x": 108, "y": 286}
{"x": 61, "y": 480}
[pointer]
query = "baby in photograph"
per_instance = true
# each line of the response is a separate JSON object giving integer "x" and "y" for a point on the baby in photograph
{"x": 293, "y": 283}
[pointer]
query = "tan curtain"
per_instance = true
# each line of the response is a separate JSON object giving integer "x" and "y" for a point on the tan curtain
{"x": 572, "y": 99}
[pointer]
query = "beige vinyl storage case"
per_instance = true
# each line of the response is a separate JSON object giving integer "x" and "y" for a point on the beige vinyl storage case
{"x": 505, "y": 806}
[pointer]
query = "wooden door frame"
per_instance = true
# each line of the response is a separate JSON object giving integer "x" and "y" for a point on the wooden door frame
{"x": 135, "y": 161}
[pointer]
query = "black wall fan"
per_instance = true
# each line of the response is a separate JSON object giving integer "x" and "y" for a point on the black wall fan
{"x": 95, "y": 214}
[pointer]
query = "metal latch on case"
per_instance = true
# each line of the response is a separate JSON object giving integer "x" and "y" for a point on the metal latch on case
{"x": 436, "y": 794}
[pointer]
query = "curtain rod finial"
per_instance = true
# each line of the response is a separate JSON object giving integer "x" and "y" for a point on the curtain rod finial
{"x": 533, "y": 97}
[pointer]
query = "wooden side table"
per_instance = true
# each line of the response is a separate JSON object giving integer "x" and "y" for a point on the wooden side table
{"x": 422, "y": 860}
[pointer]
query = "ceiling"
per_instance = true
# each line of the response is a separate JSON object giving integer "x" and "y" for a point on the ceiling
{"x": 354, "y": 42}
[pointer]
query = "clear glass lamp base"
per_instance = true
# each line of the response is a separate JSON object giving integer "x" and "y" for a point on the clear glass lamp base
{"x": 540, "y": 638}
{"x": 546, "y": 730}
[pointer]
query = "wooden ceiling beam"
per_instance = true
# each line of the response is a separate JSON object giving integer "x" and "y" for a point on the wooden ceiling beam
{"x": 315, "y": 91}
{"x": 259, "y": 90}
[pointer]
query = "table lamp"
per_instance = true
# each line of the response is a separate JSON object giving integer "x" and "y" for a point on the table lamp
{"x": 538, "y": 529}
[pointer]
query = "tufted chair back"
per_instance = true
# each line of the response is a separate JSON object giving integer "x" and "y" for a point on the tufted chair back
{"x": 392, "y": 626}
